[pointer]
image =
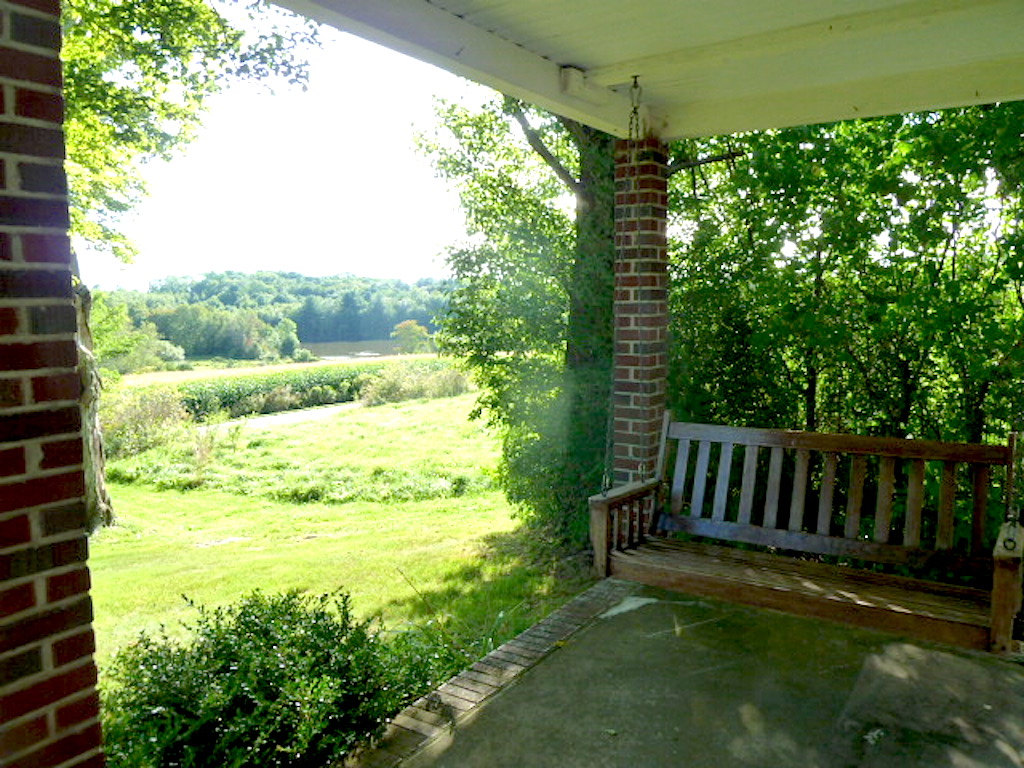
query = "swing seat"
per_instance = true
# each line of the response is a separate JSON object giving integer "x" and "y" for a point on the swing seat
{"x": 898, "y": 535}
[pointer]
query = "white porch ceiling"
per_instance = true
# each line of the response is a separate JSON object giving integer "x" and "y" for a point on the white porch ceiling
{"x": 709, "y": 66}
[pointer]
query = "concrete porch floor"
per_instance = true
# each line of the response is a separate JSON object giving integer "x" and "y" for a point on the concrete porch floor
{"x": 632, "y": 676}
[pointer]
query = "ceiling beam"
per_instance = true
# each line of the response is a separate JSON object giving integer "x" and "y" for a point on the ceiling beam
{"x": 960, "y": 85}
{"x": 431, "y": 34}
{"x": 915, "y": 17}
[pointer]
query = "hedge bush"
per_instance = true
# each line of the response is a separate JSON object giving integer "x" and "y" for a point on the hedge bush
{"x": 135, "y": 420}
{"x": 373, "y": 382}
{"x": 413, "y": 381}
{"x": 279, "y": 680}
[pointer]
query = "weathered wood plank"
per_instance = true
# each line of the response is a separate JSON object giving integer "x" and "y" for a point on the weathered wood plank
{"x": 722, "y": 482}
{"x": 894, "y": 607}
{"x": 771, "y": 501}
{"x": 855, "y": 496}
{"x": 813, "y": 543}
{"x": 799, "y": 498}
{"x": 826, "y": 494}
{"x": 749, "y": 483}
{"x": 700, "y": 478}
{"x": 659, "y": 468}
{"x": 628, "y": 515}
{"x": 679, "y": 476}
{"x": 883, "y": 502}
{"x": 600, "y": 536}
{"x": 1006, "y": 586}
{"x": 713, "y": 556}
{"x": 980, "y": 476}
{"x": 852, "y": 444}
{"x": 947, "y": 499}
{"x": 915, "y": 501}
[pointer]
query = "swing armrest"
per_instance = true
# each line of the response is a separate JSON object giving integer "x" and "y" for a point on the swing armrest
{"x": 603, "y": 507}
{"x": 1006, "y": 586}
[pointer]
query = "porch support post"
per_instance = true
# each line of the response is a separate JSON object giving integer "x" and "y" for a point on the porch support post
{"x": 641, "y": 306}
{"x": 49, "y": 707}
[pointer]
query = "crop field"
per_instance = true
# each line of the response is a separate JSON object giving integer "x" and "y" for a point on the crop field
{"x": 203, "y": 372}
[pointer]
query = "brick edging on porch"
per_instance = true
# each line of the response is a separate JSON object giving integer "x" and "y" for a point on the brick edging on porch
{"x": 441, "y": 711}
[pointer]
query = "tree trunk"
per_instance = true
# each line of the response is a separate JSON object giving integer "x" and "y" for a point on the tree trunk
{"x": 98, "y": 507}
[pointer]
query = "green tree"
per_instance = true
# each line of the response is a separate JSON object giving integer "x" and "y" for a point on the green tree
{"x": 411, "y": 337}
{"x": 532, "y": 313}
{"x": 137, "y": 76}
{"x": 123, "y": 347}
{"x": 856, "y": 277}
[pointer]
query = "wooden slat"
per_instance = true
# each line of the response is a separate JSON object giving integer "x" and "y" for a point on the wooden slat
{"x": 799, "y": 497}
{"x": 700, "y": 478}
{"x": 892, "y": 604}
{"x": 722, "y": 482}
{"x": 827, "y": 494}
{"x": 714, "y": 555}
{"x": 853, "y": 444}
{"x": 771, "y": 502}
{"x": 883, "y": 503}
{"x": 947, "y": 497}
{"x": 855, "y": 496}
{"x": 1006, "y": 586}
{"x": 915, "y": 501}
{"x": 980, "y": 474}
{"x": 659, "y": 468}
{"x": 812, "y": 543}
{"x": 749, "y": 482}
{"x": 679, "y": 476}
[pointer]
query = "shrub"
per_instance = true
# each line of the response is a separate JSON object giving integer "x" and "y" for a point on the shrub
{"x": 135, "y": 420}
{"x": 274, "y": 680}
{"x": 412, "y": 381}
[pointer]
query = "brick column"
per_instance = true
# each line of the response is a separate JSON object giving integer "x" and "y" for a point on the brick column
{"x": 641, "y": 305}
{"x": 48, "y": 703}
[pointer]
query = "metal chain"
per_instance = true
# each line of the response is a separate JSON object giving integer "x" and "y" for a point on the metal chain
{"x": 635, "y": 93}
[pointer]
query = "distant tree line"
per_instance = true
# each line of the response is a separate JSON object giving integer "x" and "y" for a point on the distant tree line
{"x": 270, "y": 314}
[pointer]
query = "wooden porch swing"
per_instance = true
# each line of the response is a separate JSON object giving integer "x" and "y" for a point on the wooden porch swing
{"x": 855, "y": 529}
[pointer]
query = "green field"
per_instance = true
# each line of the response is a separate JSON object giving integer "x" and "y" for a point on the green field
{"x": 407, "y": 520}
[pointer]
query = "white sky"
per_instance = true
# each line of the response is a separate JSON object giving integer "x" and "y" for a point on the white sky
{"x": 320, "y": 182}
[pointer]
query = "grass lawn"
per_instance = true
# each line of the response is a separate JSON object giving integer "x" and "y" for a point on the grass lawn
{"x": 404, "y": 544}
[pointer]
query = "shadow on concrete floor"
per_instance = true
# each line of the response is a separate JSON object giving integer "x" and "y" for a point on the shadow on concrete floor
{"x": 665, "y": 679}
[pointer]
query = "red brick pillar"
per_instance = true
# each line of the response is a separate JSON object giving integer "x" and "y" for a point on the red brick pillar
{"x": 641, "y": 305}
{"x": 48, "y": 703}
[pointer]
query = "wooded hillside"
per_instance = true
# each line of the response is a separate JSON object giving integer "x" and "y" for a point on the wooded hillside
{"x": 269, "y": 314}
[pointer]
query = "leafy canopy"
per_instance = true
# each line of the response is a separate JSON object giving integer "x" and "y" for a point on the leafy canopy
{"x": 857, "y": 277}
{"x": 138, "y": 76}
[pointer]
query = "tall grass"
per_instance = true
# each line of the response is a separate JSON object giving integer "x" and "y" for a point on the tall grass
{"x": 407, "y": 522}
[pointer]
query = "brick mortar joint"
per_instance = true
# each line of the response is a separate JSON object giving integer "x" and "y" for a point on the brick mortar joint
{"x": 77, "y": 759}
{"x": 27, "y": 11}
{"x": 75, "y": 666}
{"x": 41, "y": 474}
{"x": 43, "y": 51}
{"x": 22, "y": 194}
{"x": 18, "y": 157}
{"x": 44, "y": 267}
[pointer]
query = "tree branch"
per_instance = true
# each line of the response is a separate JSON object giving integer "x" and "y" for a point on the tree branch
{"x": 541, "y": 148}
{"x": 680, "y": 165}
